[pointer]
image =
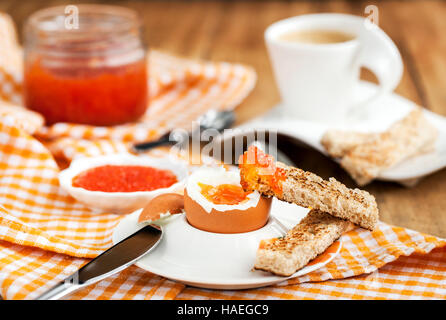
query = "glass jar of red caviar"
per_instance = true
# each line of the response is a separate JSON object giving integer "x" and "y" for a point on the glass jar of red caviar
{"x": 88, "y": 66}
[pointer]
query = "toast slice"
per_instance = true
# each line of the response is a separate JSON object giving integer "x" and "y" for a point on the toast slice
{"x": 259, "y": 172}
{"x": 311, "y": 237}
{"x": 365, "y": 155}
{"x": 338, "y": 143}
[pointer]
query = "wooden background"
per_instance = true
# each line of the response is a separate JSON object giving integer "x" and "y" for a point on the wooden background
{"x": 233, "y": 31}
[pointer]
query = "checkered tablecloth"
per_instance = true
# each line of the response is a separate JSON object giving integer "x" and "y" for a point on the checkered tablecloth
{"x": 45, "y": 235}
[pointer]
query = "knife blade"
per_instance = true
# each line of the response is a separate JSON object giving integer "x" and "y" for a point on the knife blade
{"x": 117, "y": 258}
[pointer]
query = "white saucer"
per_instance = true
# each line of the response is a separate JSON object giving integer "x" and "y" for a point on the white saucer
{"x": 215, "y": 261}
{"x": 380, "y": 114}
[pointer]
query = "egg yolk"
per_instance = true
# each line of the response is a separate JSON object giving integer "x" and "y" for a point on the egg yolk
{"x": 228, "y": 194}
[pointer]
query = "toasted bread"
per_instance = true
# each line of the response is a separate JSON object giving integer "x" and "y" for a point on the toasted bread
{"x": 306, "y": 189}
{"x": 311, "y": 237}
{"x": 338, "y": 143}
{"x": 364, "y": 156}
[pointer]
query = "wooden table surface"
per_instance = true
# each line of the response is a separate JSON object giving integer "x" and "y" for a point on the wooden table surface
{"x": 233, "y": 31}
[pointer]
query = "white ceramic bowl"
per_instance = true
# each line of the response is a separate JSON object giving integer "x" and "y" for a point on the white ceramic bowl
{"x": 120, "y": 202}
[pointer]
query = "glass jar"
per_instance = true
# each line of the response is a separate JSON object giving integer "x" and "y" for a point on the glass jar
{"x": 88, "y": 66}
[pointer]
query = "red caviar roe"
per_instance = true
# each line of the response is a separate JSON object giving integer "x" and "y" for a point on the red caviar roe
{"x": 258, "y": 165}
{"x": 118, "y": 178}
{"x": 96, "y": 96}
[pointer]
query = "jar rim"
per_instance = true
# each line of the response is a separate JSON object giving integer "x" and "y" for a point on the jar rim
{"x": 51, "y": 21}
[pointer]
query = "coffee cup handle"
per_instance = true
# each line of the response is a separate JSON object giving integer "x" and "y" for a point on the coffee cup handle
{"x": 380, "y": 55}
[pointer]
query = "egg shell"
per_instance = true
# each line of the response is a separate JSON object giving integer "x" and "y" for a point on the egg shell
{"x": 228, "y": 221}
{"x": 162, "y": 206}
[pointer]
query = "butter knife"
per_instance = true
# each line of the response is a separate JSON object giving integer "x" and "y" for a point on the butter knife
{"x": 115, "y": 259}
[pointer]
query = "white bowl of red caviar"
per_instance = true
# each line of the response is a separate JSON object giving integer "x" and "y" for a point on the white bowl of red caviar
{"x": 122, "y": 183}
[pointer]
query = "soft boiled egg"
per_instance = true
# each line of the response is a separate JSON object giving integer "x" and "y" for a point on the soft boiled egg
{"x": 215, "y": 201}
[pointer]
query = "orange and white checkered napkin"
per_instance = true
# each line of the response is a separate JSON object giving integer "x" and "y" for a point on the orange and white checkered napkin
{"x": 45, "y": 235}
{"x": 10, "y": 61}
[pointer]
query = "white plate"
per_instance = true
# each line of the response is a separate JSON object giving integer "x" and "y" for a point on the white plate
{"x": 379, "y": 115}
{"x": 216, "y": 261}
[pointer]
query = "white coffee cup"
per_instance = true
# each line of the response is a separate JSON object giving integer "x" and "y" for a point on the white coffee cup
{"x": 317, "y": 81}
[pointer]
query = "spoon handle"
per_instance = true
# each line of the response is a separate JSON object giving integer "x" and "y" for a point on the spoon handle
{"x": 144, "y": 146}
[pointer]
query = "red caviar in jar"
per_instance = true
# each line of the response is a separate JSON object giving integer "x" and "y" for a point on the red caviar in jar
{"x": 94, "y": 73}
{"x": 96, "y": 96}
{"x": 102, "y": 97}
{"x": 121, "y": 178}
{"x": 228, "y": 194}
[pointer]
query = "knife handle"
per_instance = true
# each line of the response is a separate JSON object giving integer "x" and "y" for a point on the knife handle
{"x": 61, "y": 289}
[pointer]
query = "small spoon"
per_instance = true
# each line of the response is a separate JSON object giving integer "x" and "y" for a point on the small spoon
{"x": 213, "y": 119}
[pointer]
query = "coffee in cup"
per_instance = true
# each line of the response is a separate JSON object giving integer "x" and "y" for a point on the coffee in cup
{"x": 316, "y": 36}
